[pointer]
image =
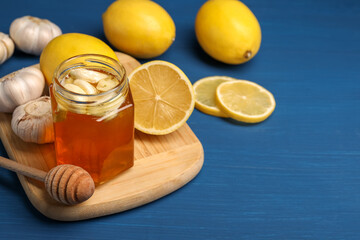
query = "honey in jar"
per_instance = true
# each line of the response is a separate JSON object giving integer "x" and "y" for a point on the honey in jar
{"x": 93, "y": 114}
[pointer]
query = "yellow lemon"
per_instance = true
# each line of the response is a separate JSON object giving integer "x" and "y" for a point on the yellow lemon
{"x": 163, "y": 97}
{"x": 140, "y": 28}
{"x": 205, "y": 92}
{"x": 245, "y": 101}
{"x": 68, "y": 45}
{"x": 228, "y": 31}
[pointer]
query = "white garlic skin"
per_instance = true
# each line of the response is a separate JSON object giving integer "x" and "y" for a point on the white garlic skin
{"x": 6, "y": 47}
{"x": 32, "y": 34}
{"x": 33, "y": 122}
{"x": 20, "y": 87}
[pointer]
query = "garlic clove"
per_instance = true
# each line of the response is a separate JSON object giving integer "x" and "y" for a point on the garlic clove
{"x": 32, "y": 34}
{"x": 76, "y": 105}
{"x": 6, "y": 47}
{"x": 107, "y": 84}
{"x": 109, "y": 110}
{"x": 20, "y": 87}
{"x": 66, "y": 81}
{"x": 33, "y": 122}
{"x": 87, "y": 75}
{"x": 74, "y": 88}
{"x": 86, "y": 86}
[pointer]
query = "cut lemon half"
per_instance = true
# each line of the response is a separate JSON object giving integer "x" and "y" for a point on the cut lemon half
{"x": 205, "y": 91}
{"x": 163, "y": 97}
{"x": 245, "y": 101}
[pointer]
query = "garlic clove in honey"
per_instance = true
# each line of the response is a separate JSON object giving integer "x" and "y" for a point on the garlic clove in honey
{"x": 87, "y": 75}
{"x": 32, "y": 34}
{"x": 66, "y": 81}
{"x": 6, "y": 47}
{"x": 109, "y": 110}
{"x": 33, "y": 122}
{"x": 85, "y": 86}
{"x": 74, "y": 105}
{"x": 107, "y": 84}
{"x": 74, "y": 88}
{"x": 63, "y": 107}
{"x": 20, "y": 87}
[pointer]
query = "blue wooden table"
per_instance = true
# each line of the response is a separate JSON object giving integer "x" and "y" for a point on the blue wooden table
{"x": 294, "y": 176}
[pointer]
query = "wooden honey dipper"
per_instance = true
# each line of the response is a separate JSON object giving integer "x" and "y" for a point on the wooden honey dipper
{"x": 65, "y": 183}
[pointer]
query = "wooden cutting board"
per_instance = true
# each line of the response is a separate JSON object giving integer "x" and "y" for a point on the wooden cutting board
{"x": 163, "y": 164}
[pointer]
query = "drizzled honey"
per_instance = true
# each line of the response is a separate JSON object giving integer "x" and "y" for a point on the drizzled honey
{"x": 93, "y": 130}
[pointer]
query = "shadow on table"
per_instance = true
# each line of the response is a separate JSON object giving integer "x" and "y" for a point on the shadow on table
{"x": 235, "y": 122}
{"x": 21, "y": 55}
{"x": 199, "y": 53}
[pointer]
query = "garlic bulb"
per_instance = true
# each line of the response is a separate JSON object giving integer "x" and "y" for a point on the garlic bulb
{"x": 6, "y": 47}
{"x": 19, "y": 87}
{"x": 32, "y": 121}
{"x": 32, "y": 34}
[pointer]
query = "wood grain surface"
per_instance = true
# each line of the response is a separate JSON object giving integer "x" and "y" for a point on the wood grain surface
{"x": 162, "y": 165}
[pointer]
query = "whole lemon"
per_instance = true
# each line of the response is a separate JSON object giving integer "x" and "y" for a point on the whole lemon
{"x": 140, "y": 28}
{"x": 68, "y": 45}
{"x": 228, "y": 31}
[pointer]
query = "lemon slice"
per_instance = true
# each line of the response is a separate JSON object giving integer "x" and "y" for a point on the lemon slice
{"x": 245, "y": 101}
{"x": 205, "y": 91}
{"x": 163, "y": 97}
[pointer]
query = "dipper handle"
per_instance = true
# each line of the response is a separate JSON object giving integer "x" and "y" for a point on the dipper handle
{"x": 65, "y": 183}
{"x": 22, "y": 169}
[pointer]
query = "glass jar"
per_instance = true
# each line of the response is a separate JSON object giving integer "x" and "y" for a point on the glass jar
{"x": 94, "y": 131}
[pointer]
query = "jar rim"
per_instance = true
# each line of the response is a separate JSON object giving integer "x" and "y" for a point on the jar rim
{"x": 121, "y": 72}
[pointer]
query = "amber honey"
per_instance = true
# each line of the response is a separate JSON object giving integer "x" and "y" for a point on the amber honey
{"x": 95, "y": 132}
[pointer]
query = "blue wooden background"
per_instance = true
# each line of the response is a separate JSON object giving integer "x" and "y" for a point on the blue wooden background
{"x": 294, "y": 176}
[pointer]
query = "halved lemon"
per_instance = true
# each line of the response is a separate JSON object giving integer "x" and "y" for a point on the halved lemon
{"x": 205, "y": 91}
{"x": 245, "y": 101}
{"x": 163, "y": 97}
